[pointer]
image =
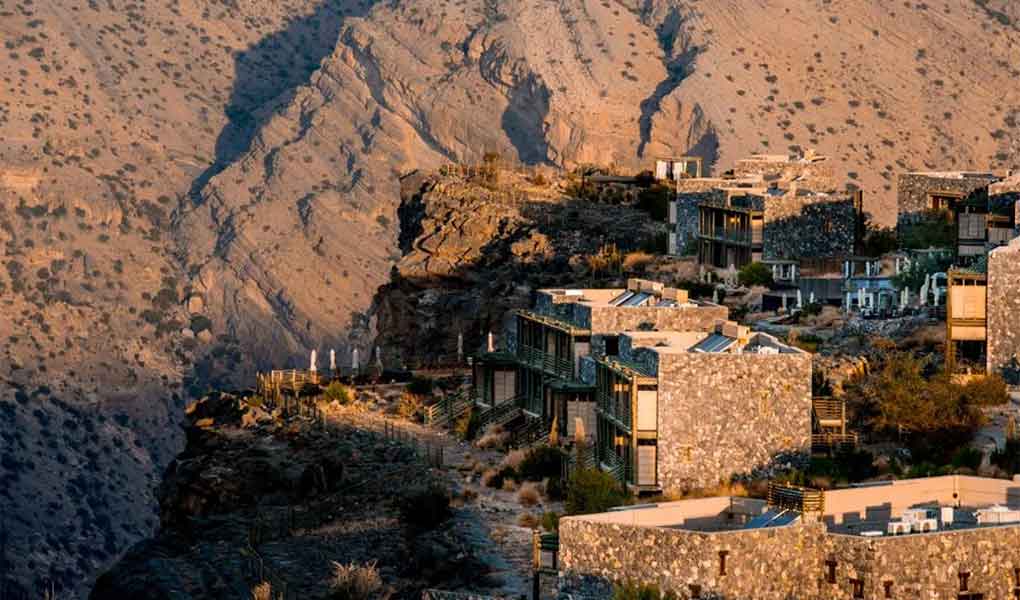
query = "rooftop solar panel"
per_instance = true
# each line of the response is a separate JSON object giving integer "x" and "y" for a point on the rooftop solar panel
{"x": 621, "y": 298}
{"x": 714, "y": 343}
{"x": 637, "y": 299}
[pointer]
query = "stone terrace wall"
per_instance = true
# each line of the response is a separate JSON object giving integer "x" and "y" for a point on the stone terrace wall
{"x": 926, "y": 565}
{"x": 613, "y": 319}
{"x": 913, "y": 189}
{"x": 737, "y": 412}
{"x": 1004, "y": 310}
{"x": 765, "y": 564}
{"x": 799, "y": 227}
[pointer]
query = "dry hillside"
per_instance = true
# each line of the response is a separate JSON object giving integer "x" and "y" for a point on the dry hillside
{"x": 189, "y": 188}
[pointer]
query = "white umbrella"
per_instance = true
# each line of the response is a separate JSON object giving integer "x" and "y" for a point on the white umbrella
{"x": 490, "y": 344}
{"x": 354, "y": 359}
{"x": 784, "y": 301}
{"x": 378, "y": 358}
{"x": 332, "y": 360}
{"x": 460, "y": 345}
{"x": 860, "y": 298}
{"x": 313, "y": 366}
{"x": 800, "y": 299}
{"x": 811, "y": 298}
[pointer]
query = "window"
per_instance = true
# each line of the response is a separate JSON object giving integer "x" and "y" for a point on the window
{"x": 722, "y": 561}
{"x": 887, "y": 586}
{"x": 964, "y": 577}
{"x": 857, "y": 588}
{"x": 612, "y": 345}
{"x": 1016, "y": 577}
{"x": 695, "y": 591}
{"x": 830, "y": 571}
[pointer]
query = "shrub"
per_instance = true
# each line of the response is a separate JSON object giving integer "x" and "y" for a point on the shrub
{"x": 338, "y": 392}
{"x": 466, "y": 426}
{"x": 637, "y": 262}
{"x": 411, "y": 406}
{"x": 426, "y": 507}
{"x": 528, "y": 520}
{"x": 631, "y": 590}
{"x": 967, "y": 458}
{"x": 262, "y": 591}
{"x": 755, "y": 273}
{"x": 592, "y": 491}
{"x": 541, "y": 462}
{"x": 355, "y": 582}
{"x": 529, "y": 494}
{"x": 494, "y": 437}
{"x": 985, "y": 391}
{"x": 551, "y": 521}
{"x": 934, "y": 230}
{"x": 1008, "y": 459}
{"x": 655, "y": 201}
{"x": 420, "y": 386}
{"x": 497, "y": 478}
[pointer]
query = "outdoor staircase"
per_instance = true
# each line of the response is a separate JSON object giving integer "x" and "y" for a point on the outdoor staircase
{"x": 500, "y": 414}
{"x": 532, "y": 432}
{"x": 447, "y": 410}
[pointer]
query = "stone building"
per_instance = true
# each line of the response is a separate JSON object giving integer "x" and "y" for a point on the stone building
{"x": 740, "y": 226}
{"x": 761, "y": 176}
{"x": 1003, "y": 313}
{"x": 922, "y": 194}
{"x": 939, "y": 538}
{"x": 541, "y": 370}
{"x": 679, "y": 410}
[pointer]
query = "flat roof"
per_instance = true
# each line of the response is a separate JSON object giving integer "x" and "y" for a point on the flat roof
{"x": 861, "y": 510}
{"x": 955, "y": 174}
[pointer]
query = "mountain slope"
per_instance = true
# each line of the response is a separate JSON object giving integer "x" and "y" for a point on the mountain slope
{"x": 191, "y": 189}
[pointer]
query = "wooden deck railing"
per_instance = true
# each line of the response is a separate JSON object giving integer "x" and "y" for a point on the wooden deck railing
{"x": 554, "y": 365}
{"x": 617, "y": 411}
{"x": 501, "y": 414}
{"x": 800, "y": 499}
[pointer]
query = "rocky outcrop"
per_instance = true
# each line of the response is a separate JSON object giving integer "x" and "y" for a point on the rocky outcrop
{"x": 473, "y": 251}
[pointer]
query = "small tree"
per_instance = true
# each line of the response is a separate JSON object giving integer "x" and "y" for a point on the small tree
{"x": 338, "y": 392}
{"x": 755, "y": 273}
{"x": 592, "y": 491}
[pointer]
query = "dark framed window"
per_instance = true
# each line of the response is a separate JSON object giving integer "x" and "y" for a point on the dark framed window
{"x": 887, "y": 587}
{"x": 857, "y": 588}
{"x": 830, "y": 571}
{"x": 722, "y": 561}
{"x": 695, "y": 591}
{"x": 612, "y": 345}
{"x": 964, "y": 581}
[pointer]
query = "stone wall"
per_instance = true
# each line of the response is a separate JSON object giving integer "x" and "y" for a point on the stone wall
{"x": 924, "y": 565}
{"x": 1004, "y": 310}
{"x": 818, "y": 175}
{"x": 788, "y": 563}
{"x": 913, "y": 189}
{"x": 722, "y": 415}
{"x": 764, "y": 564}
{"x": 614, "y": 319}
{"x": 809, "y": 226}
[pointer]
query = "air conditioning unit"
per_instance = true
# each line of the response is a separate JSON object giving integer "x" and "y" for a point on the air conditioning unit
{"x": 947, "y": 515}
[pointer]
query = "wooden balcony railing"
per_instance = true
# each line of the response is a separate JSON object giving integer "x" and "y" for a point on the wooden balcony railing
{"x": 799, "y": 499}
{"x": 618, "y": 411}
{"x": 554, "y": 365}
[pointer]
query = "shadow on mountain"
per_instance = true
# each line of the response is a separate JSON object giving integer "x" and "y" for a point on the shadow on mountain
{"x": 270, "y": 71}
{"x": 524, "y": 121}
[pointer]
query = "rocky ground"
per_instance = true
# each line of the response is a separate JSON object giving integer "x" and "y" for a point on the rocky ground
{"x": 259, "y": 497}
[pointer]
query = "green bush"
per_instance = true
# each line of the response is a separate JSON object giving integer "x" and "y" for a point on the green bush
{"x": 592, "y": 491}
{"x": 878, "y": 241}
{"x": 497, "y": 479}
{"x": 541, "y": 462}
{"x": 989, "y": 390}
{"x": 655, "y": 201}
{"x": 934, "y": 230}
{"x": 967, "y": 458}
{"x": 338, "y": 392}
{"x": 426, "y": 507}
{"x": 632, "y": 590}
{"x": 1008, "y": 459}
{"x": 755, "y": 273}
{"x": 551, "y": 521}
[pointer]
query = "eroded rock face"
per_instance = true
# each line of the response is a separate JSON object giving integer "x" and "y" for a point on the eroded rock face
{"x": 472, "y": 253}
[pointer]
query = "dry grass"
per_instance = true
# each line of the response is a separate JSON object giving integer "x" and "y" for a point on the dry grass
{"x": 514, "y": 459}
{"x": 493, "y": 438}
{"x": 637, "y": 262}
{"x": 530, "y": 494}
{"x": 528, "y": 520}
{"x": 356, "y": 582}
{"x": 262, "y": 591}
